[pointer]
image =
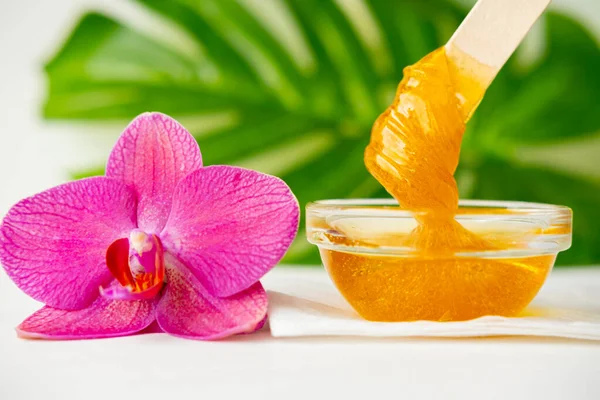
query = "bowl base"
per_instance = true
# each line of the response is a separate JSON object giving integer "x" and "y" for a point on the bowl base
{"x": 387, "y": 288}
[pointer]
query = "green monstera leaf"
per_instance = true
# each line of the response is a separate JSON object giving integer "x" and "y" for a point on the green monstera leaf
{"x": 292, "y": 87}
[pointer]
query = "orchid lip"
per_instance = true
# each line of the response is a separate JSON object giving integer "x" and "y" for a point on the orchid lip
{"x": 137, "y": 264}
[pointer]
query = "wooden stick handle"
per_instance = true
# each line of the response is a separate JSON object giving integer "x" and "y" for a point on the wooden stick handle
{"x": 493, "y": 30}
{"x": 484, "y": 41}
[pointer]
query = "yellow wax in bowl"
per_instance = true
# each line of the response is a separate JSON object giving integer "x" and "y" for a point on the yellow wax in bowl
{"x": 368, "y": 247}
{"x": 387, "y": 288}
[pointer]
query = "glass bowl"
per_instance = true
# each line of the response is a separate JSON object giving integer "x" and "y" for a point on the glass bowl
{"x": 364, "y": 249}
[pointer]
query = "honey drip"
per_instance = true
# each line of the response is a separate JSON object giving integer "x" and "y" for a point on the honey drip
{"x": 415, "y": 147}
{"x": 413, "y": 153}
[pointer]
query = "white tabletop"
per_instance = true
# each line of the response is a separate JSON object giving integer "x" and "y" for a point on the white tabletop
{"x": 35, "y": 155}
{"x": 259, "y": 366}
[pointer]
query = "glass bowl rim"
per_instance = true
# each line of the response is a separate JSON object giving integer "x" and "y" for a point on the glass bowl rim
{"x": 540, "y": 212}
{"x": 523, "y": 207}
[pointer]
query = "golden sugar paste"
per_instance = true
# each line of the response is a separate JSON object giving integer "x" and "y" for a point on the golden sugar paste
{"x": 413, "y": 153}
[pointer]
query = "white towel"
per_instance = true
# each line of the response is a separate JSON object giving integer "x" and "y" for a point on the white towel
{"x": 304, "y": 302}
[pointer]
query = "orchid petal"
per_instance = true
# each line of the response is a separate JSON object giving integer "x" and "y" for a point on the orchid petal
{"x": 153, "y": 154}
{"x": 261, "y": 324}
{"x": 53, "y": 244}
{"x": 104, "y": 318}
{"x": 188, "y": 310}
{"x": 152, "y": 328}
{"x": 230, "y": 226}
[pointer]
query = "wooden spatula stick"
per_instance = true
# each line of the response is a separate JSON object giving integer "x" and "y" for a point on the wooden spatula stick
{"x": 488, "y": 36}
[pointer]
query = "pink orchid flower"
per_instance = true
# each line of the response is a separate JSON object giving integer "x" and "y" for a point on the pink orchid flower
{"x": 159, "y": 238}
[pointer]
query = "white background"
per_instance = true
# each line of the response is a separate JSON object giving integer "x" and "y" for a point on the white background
{"x": 35, "y": 155}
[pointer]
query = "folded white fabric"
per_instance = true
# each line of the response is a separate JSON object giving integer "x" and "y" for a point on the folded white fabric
{"x": 303, "y": 302}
